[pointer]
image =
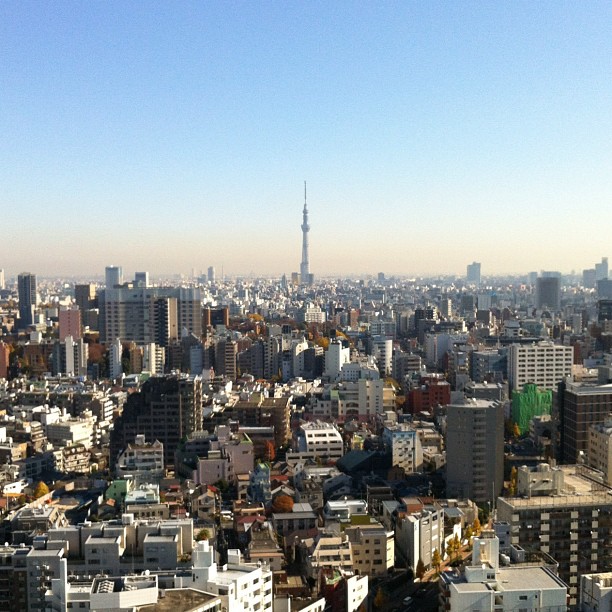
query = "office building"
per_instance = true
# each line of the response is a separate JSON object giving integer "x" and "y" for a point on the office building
{"x": 577, "y": 406}
{"x": 548, "y": 292}
{"x": 141, "y": 279}
{"x": 211, "y": 274}
{"x": 473, "y": 273}
{"x": 544, "y": 364}
{"x": 2, "y": 279}
{"x": 130, "y": 313}
{"x": 85, "y": 296}
{"x": 601, "y": 269}
{"x": 589, "y": 278}
{"x": 26, "y": 288}
{"x": 475, "y": 450}
{"x": 113, "y": 276}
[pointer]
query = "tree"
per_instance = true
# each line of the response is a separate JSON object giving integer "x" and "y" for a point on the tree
{"x": 477, "y": 527}
{"x": 469, "y": 534}
{"x": 420, "y": 569}
{"x": 270, "y": 452}
{"x": 516, "y": 431}
{"x": 513, "y": 481}
{"x": 203, "y": 534}
{"x": 436, "y": 560}
{"x": 381, "y": 600}
{"x": 40, "y": 490}
{"x": 282, "y": 503}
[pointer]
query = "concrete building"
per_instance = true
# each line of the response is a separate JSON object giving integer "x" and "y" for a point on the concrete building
{"x": 143, "y": 461}
{"x": 576, "y": 407}
{"x": 373, "y": 548}
{"x": 113, "y": 276}
{"x": 599, "y": 449}
{"x": 165, "y": 408}
{"x": 484, "y": 585}
{"x": 69, "y": 323}
{"x": 595, "y": 592}
{"x": 336, "y": 356}
{"x": 548, "y": 292}
{"x": 129, "y": 313}
{"x": 320, "y": 439}
{"x": 475, "y": 450}
{"x": 473, "y": 273}
{"x": 568, "y": 517}
{"x": 544, "y": 364}
{"x": 28, "y": 298}
{"x": 405, "y": 447}
{"x": 241, "y": 587}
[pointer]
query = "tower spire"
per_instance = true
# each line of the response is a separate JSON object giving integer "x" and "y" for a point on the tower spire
{"x": 305, "y": 266}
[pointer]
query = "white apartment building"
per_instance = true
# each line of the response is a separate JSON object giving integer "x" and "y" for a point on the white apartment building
{"x": 419, "y": 534}
{"x": 336, "y": 356}
{"x": 242, "y": 587}
{"x": 544, "y": 364}
{"x": 405, "y": 447}
{"x": 144, "y": 461}
{"x": 484, "y": 585}
{"x": 330, "y": 551}
{"x": 320, "y": 439}
{"x": 596, "y": 592}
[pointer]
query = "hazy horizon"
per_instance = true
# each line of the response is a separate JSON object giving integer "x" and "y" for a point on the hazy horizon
{"x": 166, "y": 137}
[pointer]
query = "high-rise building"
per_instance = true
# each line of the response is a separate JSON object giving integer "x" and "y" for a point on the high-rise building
{"x": 548, "y": 292}
{"x": 576, "y": 407}
{"x": 113, "y": 276}
{"x": 211, "y": 274}
{"x": 475, "y": 450}
{"x": 141, "y": 279}
{"x": 129, "y": 313}
{"x": 601, "y": 269}
{"x": 166, "y": 408}
{"x": 473, "y": 273}
{"x": 305, "y": 275}
{"x": 85, "y": 296}
{"x": 588, "y": 278}
{"x": 544, "y": 364}
{"x": 26, "y": 287}
{"x": 566, "y": 513}
{"x": 69, "y": 323}
{"x": 2, "y": 280}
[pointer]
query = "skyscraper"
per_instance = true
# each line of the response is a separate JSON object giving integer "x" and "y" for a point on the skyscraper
{"x": 305, "y": 276}
{"x": 2, "y": 284}
{"x": 548, "y": 292}
{"x": 26, "y": 287}
{"x": 473, "y": 273}
{"x": 601, "y": 269}
{"x": 113, "y": 276}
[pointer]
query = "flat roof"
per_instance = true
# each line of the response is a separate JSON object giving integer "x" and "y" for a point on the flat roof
{"x": 179, "y": 600}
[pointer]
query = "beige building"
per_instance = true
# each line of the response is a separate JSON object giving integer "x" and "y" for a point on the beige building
{"x": 599, "y": 450}
{"x": 373, "y": 548}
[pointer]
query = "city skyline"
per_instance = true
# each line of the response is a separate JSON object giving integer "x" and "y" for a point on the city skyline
{"x": 167, "y": 138}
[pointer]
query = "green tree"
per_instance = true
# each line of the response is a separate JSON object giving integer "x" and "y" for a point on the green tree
{"x": 203, "y": 534}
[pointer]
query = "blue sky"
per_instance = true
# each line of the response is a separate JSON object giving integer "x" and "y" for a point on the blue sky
{"x": 177, "y": 135}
